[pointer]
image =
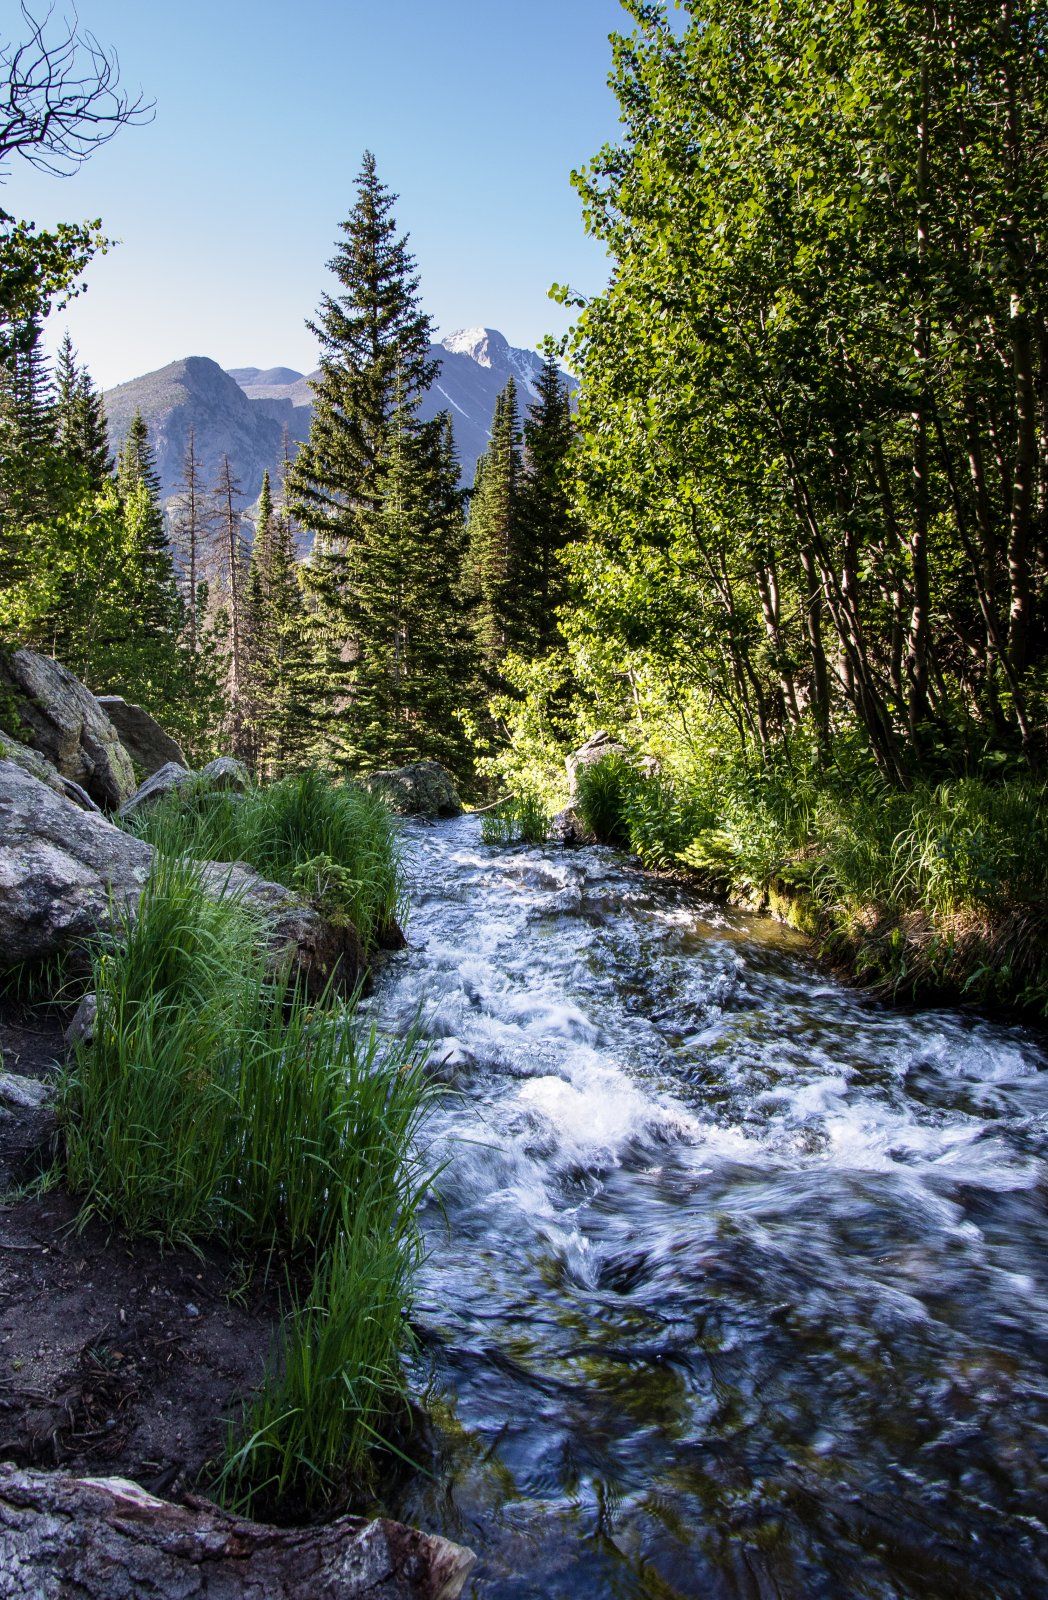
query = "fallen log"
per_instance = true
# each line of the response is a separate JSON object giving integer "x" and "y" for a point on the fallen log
{"x": 69, "y": 1538}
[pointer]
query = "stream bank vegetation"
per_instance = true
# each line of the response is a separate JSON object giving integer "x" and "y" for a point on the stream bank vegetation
{"x": 810, "y": 471}
{"x": 216, "y": 1105}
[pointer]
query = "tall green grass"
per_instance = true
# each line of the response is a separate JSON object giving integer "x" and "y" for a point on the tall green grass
{"x": 522, "y": 819}
{"x": 215, "y": 1101}
{"x": 332, "y": 841}
{"x": 939, "y": 889}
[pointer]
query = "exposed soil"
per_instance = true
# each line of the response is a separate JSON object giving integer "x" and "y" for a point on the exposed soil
{"x": 116, "y": 1358}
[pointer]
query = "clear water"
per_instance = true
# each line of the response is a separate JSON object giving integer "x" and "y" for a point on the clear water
{"x": 740, "y": 1283}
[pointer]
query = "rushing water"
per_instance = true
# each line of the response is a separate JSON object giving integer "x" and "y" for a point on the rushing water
{"x": 741, "y": 1281}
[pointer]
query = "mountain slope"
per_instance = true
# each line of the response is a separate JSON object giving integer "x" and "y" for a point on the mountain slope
{"x": 243, "y": 412}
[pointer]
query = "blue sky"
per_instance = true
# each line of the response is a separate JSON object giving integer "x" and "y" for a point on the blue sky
{"x": 226, "y": 206}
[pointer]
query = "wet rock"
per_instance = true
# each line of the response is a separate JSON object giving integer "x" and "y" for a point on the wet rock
{"x": 100, "y": 1538}
{"x": 64, "y": 722}
{"x": 38, "y": 766}
{"x": 568, "y": 828}
{"x": 64, "y": 872}
{"x": 421, "y": 789}
{"x": 164, "y": 781}
{"x": 595, "y": 749}
{"x": 146, "y": 742}
{"x": 225, "y": 773}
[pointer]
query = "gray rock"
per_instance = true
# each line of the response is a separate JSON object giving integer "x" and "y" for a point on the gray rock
{"x": 145, "y": 741}
{"x": 294, "y": 931}
{"x": 64, "y": 873}
{"x": 66, "y": 876}
{"x": 82, "y": 1028}
{"x": 568, "y": 828}
{"x": 595, "y": 749}
{"x": 226, "y": 773}
{"x": 65, "y": 723}
{"x": 169, "y": 777}
{"x": 38, "y": 766}
{"x": 23, "y": 1094}
{"x": 422, "y": 789}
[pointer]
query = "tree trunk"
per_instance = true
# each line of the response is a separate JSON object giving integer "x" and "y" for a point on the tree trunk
{"x": 68, "y": 1538}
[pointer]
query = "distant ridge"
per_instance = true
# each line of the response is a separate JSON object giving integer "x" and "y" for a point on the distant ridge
{"x": 244, "y": 411}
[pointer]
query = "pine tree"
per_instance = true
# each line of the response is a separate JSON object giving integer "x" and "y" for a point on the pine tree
{"x": 546, "y": 510}
{"x": 81, "y": 429}
{"x": 498, "y": 562}
{"x": 33, "y": 482}
{"x": 350, "y": 480}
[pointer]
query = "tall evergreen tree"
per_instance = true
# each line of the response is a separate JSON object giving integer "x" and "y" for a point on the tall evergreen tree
{"x": 372, "y": 484}
{"x": 81, "y": 429}
{"x": 231, "y": 563}
{"x": 546, "y": 510}
{"x": 498, "y": 564}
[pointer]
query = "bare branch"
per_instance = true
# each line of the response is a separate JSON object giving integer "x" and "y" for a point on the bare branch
{"x": 60, "y": 95}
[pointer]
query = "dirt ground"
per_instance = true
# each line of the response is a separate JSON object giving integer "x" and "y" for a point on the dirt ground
{"x": 118, "y": 1359}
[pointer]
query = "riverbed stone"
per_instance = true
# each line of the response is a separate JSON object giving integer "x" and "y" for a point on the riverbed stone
{"x": 148, "y": 744}
{"x": 421, "y": 789}
{"x": 62, "y": 720}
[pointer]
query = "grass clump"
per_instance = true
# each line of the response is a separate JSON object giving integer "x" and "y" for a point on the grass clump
{"x": 521, "y": 819}
{"x": 215, "y": 1101}
{"x": 334, "y": 840}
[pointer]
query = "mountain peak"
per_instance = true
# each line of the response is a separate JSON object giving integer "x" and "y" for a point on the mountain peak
{"x": 486, "y": 346}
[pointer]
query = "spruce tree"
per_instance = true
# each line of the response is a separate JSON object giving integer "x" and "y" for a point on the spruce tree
{"x": 546, "y": 509}
{"x": 353, "y": 481}
{"x": 498, "y": 563}
{"x": 81, "y": 429}
{"x": 231, "y": 561}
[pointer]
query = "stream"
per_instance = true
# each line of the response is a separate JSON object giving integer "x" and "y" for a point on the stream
{"x": 739, "y": 1279}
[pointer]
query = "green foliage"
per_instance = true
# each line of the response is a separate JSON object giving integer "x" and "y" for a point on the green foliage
{"x": 603, "y": 790}
{"x": 522, "y": 819}
{"x": 302, "y": 829}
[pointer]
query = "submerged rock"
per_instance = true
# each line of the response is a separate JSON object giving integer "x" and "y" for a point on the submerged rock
{"x": 421, "y": 789}
{"x": 64, "y": 722}
{"x": 146, "y": 742}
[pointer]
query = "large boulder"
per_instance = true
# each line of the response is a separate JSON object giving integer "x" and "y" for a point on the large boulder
{"x": 63, "y": 871}
{"x": 145, "y": 741}
{"x": 318, "y": 951}
{"x": 38, "y": 766}
{"x": 422, "y": 789}
{"x": 64, "y": 722}
{"x": 226, "y": 772}
{"x": 596, "y": 748}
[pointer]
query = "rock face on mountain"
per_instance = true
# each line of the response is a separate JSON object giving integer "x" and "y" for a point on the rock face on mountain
{"x": 196, "y": 394}
{"x": 243, "y": 412}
